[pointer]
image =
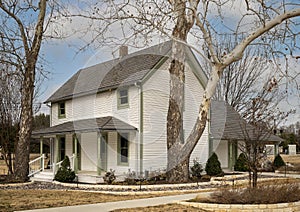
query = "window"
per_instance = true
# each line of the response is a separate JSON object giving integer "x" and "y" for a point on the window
{"x": 62, "y": 148}
{"x": 62, "y": 110}
{"x": 123, "y": 149}
{"x": 123, "y": 98}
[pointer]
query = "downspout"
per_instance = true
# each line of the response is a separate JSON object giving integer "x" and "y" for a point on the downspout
{"x": 141, "y": 126}
{"x": 210, "y": 137}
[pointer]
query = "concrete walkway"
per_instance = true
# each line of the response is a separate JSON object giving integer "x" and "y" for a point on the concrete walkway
{"x": 109, "y": 206}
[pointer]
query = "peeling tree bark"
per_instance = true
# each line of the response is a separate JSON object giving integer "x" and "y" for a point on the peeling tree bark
{"x": 178, "y": 167}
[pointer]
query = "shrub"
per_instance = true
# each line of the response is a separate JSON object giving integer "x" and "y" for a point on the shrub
{"x": 213, "y": 166}
{"x": 270, "y": 194}
{"x": 196, "y": 169}
{"x": 241, "y": 163}
{"x": 278, "y": 162}
{"x": 109, "y": 177}
{"x": 64, "y": 173}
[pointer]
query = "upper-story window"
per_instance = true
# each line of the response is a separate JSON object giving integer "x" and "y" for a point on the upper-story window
{"x": 61, "y": 110}
{"x": 123, "y": 101}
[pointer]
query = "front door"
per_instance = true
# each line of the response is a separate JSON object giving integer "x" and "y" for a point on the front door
{"x": 103, "y": 152}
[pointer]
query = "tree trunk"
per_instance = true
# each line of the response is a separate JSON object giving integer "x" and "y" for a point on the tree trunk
{"x": 27, "y": 92}
{"x": 254, "y": 179}
{"x": 22, "y": 148}
{"x": 177, "y": 168}
{"x": 179, "y": 173}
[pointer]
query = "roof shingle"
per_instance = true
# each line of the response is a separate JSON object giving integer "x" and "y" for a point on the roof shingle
{"x": 227, "y": 124}
{"x": 85, "y": 125}
{"x": 113, "y": 73}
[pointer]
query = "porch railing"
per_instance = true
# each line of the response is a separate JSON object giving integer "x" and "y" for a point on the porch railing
{"x": 37, "y": 165}
{"x": 56, "y": 166}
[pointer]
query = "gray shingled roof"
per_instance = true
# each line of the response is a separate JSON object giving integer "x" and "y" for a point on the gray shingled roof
{"x": 227, "y": 124}
{"x": 112, "y": 74}
{"x": 86, "y": 125}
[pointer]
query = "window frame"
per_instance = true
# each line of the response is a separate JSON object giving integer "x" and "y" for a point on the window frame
{"x": 124, "y": 105}
{"x": 119, "y": 155}
{"x": 60, "y": 115}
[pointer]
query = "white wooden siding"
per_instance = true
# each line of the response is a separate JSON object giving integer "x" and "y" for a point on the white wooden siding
{"x": 221, "y": 149}
{"x": 193, "y": 94}
{"x": 88, "y": 144}
{"x": 69, "y": 113}
{"x": 156, "y": 101}
{"x": 69, "y": 145}
{"x": 112, "y": 154}
{"x": 99, "y": 105}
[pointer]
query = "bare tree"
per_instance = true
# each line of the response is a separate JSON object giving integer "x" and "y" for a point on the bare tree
{"x": 265, "y": 23}
{"x": 22, "y": 29}
{"x": 9, "y": 113}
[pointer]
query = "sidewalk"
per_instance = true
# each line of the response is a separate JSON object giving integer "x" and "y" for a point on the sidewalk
{"x": 109, "y": 206}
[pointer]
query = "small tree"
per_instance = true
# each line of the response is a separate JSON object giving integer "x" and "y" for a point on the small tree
{"x": 64, "y": 173}
{"x": 278, "y": 162}
{"x": 213, "y": 166}
{"x": 241, "y": 163}
{"x": 196, "y": 169}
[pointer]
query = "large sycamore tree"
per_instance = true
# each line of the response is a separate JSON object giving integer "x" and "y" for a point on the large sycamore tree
{"x": 23, "y": 25}
{"x": 199, "y": 24}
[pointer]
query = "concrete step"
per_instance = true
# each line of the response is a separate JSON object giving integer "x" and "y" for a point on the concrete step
{"x": 37, "y": 179}
{"x": 89, "y": 179}
{"x": 45, "y": 176}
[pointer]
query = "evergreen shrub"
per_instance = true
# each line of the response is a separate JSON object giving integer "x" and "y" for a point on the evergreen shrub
{"x": 213, "y": 166}
{"x": 64, "y": 173}
{"x": 241, "y": 163}
{"x": 278, "y": 162}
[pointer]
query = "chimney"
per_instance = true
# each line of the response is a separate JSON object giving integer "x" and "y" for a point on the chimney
{"x": 123, "y": 51}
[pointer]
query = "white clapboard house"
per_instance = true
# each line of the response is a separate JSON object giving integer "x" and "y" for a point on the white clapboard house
{"x": 113, "y": 115}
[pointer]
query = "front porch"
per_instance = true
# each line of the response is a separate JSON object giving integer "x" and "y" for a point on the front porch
{"x": 91, "y": 150}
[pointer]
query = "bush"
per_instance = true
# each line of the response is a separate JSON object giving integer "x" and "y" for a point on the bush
{"x": 64, "y": 173}
{"x": 196, "y": 169}
{"x": 241, "y": 163}
{"x": 213, "y": 166}
{"x": 278, "y": 162}
{"x": 271, "y": 194}
{"x": 109, "y": 177}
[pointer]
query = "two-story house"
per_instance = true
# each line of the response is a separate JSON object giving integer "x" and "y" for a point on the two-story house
{"x": 113, "y": 115}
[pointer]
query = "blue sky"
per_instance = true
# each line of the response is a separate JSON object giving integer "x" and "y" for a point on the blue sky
{"x": 63, "y": 61}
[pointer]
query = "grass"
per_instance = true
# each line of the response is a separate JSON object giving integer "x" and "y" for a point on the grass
{"x": 12, "y": 200}
{"x": 162, "y": 208}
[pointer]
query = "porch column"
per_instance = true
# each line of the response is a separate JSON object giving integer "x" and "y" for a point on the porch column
{"x": 230, "y": 155}
{"x": 41, "y": 145}
{"x": 98, "y": 153}
{"x": 210, "y": 145}
{"x": 41, "y": 152}
{"x": 276, "y": 147}
{"x": 75, "y": 139}
{"x": 56, "y": 148}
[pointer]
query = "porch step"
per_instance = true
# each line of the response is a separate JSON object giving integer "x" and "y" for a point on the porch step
{"x": 45, "y": 176}
{"x": 86, "y": 178}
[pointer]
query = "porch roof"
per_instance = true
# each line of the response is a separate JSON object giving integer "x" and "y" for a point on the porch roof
{"x": 85, "y": 125}
{"x": 227, "y": 124}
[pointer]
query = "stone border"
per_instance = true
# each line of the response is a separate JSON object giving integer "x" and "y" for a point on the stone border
{"x": 292, "y": 206}
{"x": 135, "y": 187}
